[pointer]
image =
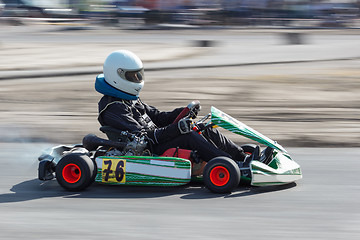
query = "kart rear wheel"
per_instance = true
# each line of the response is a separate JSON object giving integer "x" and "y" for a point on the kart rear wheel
{"x": 75, "y": 172}
{"x": 221, "y": 175}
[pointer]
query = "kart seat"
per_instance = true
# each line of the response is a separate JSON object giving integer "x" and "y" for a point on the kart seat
{"x": 113, "y": 134}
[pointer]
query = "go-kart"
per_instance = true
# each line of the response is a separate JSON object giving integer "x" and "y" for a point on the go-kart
{"x": 125, "y": 159}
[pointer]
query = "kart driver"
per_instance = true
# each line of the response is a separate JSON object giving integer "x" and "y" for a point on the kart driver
{"x": 121, "y": 108}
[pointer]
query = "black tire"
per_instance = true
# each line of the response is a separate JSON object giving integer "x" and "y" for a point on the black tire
{"x": 248, "y": 148}
{"x": 94, "y": 173}
{"x": 75, "y": 172}
{"x": 221, "y": 175}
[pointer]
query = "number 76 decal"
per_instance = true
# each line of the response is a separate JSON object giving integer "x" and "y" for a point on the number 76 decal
{"x": 113, "y": 170}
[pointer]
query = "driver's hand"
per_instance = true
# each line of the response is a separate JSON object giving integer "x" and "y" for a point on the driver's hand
{"x": 195, "y": 108}
{"x": 185, "y": 125}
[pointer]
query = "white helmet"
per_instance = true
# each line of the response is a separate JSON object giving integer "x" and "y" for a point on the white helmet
{"x": 124, "y": 71}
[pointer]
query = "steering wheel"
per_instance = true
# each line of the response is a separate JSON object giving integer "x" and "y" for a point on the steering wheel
{"x": 186, "y": 111}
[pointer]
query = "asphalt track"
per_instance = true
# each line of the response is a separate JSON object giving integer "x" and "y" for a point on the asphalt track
{"x": 322, "y": 205}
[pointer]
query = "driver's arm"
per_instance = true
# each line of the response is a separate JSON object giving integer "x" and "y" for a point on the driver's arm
{"x": 118, "y": 116}
{"x": 162, "y": 118}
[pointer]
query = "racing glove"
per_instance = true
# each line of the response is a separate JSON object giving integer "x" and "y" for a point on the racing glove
{"x": 185, "y": 125}
{"x": 194, "y": 108}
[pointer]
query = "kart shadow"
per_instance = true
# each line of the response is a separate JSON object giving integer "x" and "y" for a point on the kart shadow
{"x": 35, "y": 189}
{"x": 260, "y": 190}
{"x": 241, "y": 191}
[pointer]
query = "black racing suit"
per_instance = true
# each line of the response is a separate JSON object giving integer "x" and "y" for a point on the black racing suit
{"x": 135, "y": 116}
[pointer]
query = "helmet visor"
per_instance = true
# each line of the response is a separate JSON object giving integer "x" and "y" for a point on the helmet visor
{"x": 132, "y": 76}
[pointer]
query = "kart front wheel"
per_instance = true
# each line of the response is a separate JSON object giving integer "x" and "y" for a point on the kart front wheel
{"x": 248, "y": 148}
{"x": 221, "y": 175}
{"x": 74, "y": 172}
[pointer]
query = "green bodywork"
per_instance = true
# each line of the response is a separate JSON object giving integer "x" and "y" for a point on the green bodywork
{"x": 143, "y": 170}
{"x": 281, "y": 170}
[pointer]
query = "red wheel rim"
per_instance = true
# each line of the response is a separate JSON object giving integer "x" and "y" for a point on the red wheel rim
{"x": 219, "y": 176}
{"x": 71, "y": 173}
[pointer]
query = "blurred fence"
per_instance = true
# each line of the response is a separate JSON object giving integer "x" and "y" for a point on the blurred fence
{"x": 197, "y": 12}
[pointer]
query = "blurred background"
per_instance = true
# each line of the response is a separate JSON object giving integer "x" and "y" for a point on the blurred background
{"x": 196, "y": 12}
{"x": 288, "y": 68}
